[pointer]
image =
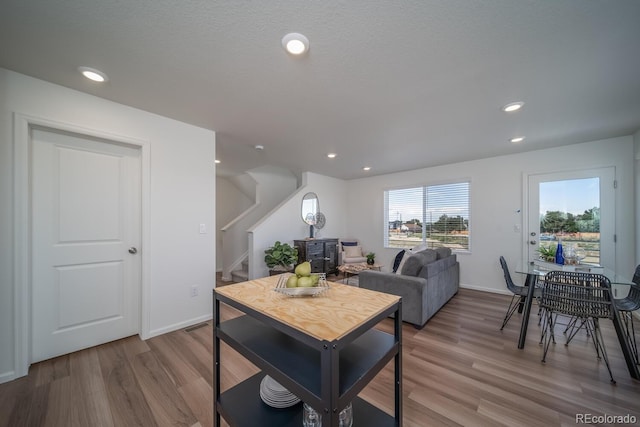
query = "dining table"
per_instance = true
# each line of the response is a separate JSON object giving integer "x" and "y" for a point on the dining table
{"x": 620, "y": 285}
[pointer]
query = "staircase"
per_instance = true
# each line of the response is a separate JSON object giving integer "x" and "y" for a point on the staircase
{"x": 243, "y": 274}
{"x": 271, "y": 186}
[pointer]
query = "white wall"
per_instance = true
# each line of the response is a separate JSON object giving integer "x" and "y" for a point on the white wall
{"x": 181, "y": 196}
{"x": 285, "y": 223}
{"x": 230, "y": 202}
{"x": 496, "y": 193}
{"x": 246, "y": 184}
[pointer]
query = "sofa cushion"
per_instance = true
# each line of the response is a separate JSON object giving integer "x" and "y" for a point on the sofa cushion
{"x": 419, "y": 248}
{"x": 404, "y": 259}
{"x": 443, "y": 252}
{"x": 397, "y": 259}
{"x": 415, "y": 262}
{"x": 412, "y": 265}
{"x": 352, "y": 251}
{"x": 429, "y": 255}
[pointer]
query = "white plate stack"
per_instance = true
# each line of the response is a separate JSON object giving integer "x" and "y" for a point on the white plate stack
{"x": 276, "y": 396}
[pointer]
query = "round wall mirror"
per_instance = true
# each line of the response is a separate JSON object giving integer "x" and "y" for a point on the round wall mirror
{"x": 310, "y": 208}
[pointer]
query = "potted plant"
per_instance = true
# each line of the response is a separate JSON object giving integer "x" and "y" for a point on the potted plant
{"x": 547, "y": 253}
{"x": 280, "y": 258}
{"x": 371, "y": 258}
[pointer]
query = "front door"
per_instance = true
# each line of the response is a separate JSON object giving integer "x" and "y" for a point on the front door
{"x": 576, "y": 208}
{"x": 85, "y": 237}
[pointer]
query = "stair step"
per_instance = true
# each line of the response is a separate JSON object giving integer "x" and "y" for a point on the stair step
{"x": 239, "y": 276}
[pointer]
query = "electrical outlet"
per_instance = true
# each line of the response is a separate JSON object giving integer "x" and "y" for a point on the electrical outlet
{"x": 194, "y": 291}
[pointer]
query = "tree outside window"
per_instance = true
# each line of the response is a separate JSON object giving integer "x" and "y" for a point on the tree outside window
{"x": 439, "y": 216}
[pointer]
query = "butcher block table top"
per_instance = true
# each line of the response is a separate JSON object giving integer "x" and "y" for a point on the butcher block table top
{"x": 327, "y": 316}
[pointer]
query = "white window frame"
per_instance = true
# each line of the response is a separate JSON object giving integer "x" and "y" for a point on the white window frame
{"x": 425, "y": 187}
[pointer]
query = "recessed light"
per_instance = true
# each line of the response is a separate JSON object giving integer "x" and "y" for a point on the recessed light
{"x": 332, "y": 155}
{"x": 366, "y": 168}
{"x": 259, "y": 147}
{"x": 517, "y": 139}
{"x": 93, "y": 74}
{"x": 513, "y": 106}
{"x": 295, "y": 43}
{"x": 217, "y": 161}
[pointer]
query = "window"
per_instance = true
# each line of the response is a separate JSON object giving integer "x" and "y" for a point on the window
{"x": 434, "y": 215}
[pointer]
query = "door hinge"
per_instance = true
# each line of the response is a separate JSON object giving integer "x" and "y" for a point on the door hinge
{"x": 615, "y": 238}
{"x": 615, "y": 183}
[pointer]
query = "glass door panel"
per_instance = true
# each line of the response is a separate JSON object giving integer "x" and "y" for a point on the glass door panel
{"x": 576, "y": 208}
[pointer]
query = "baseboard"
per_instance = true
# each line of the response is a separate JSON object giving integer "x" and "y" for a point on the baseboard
{"x": 180, "y": 325}
{"x": 483, "y": 289}
{"x": 5, "y": 377}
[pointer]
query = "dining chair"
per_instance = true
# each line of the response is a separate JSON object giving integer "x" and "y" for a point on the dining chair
{"x": 519, "y": 292}
{"x": 586, "y": 297}
{"x": 626, "y": 306}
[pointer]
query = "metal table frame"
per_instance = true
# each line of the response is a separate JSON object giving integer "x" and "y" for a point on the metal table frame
{"x": 532, "y": 274}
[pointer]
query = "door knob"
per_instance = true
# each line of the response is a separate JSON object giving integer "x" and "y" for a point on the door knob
{"x": 133, "y": 250}
{"x": 532, "y": 242}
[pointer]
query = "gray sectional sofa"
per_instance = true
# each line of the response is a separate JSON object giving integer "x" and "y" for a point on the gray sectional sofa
{"x": 426, "y": 281}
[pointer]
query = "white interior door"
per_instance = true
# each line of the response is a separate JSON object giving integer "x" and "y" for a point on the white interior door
{"x": 85, "y": 217}
{"x": 576, "y": 207}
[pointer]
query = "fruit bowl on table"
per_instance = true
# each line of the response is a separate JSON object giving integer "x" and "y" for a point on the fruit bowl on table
{"x": 319, "y": 288}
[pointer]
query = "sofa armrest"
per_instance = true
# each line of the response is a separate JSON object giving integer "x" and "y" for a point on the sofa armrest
{"x": 392, "y": 283}
{"x": 412, "y": 290}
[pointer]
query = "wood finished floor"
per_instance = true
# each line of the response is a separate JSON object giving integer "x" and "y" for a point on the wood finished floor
{"x": 460, "y": 370}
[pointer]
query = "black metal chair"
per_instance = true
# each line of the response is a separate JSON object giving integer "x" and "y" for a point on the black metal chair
{"x": 519, "y": 292}
{"x": 626, "y": 306}
{"x": 586, "y": 297}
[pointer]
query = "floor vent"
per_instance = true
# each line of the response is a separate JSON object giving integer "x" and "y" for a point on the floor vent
{"x": 194, "y": 327}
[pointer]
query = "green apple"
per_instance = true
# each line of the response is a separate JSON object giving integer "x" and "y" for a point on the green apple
{"x": 292, "y": 281}
{"x": 303, "y": 269}
{"x": 305, "y": 282}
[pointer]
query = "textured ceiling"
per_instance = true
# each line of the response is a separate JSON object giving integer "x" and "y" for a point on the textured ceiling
{"x": 394, "y": 85}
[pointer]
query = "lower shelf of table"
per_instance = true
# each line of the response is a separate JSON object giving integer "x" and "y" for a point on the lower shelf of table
{"x": 241, "y": 406}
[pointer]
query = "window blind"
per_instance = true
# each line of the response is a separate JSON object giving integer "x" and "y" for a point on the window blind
{"x": 431, "y": 215}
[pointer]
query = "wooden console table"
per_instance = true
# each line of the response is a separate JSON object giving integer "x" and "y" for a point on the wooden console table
{"x": 324, "y": 349}
{"x": 321, "y": 253}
